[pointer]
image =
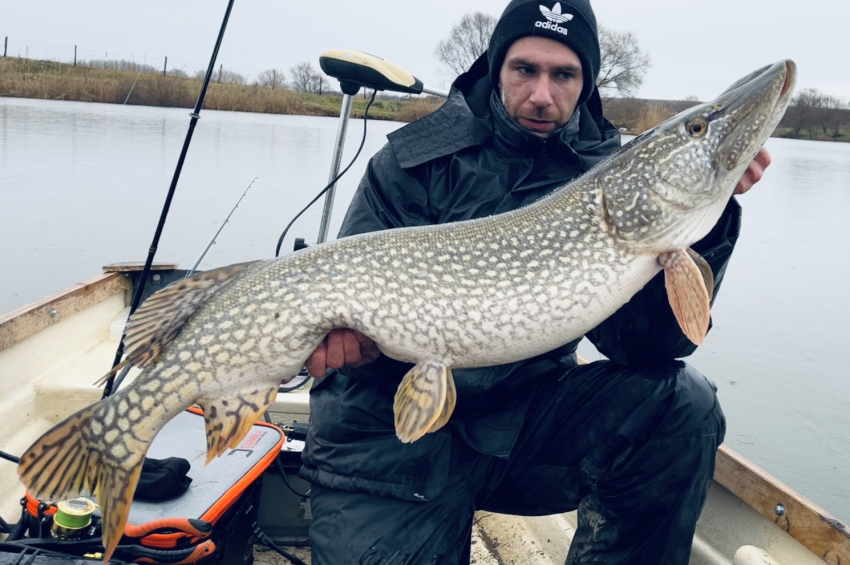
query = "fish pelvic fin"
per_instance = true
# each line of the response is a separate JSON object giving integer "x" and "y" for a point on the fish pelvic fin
{"x": 423, "y": 402}
{"x": 229, "y": 420}
{"x": 65, "y": 463}
{"x": 448, "y": 405}
{"x": 687, "y": 292}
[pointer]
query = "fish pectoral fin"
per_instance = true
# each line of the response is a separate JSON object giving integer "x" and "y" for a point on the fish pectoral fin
{"x": 704, "y": 270}
{"x": 70, "y": 460}
{"x": 159, "y": 320}
{"x": 687, "y": 292}
{"x": 423, "y": 400}
{"x": 229, "y": 420}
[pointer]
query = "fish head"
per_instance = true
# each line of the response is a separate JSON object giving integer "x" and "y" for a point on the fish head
{"x": 668, "y": 187}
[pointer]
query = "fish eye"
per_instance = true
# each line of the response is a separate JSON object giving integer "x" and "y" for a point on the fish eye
{"x": 697, "y": 127}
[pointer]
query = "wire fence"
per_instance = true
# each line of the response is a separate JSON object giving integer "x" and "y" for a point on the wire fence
{"x": 95, "y": 57}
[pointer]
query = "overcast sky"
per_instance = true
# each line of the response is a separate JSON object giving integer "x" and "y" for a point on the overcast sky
{"x": 696, "y": 48}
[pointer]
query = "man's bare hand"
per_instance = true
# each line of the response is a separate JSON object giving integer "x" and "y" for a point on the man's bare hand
{"x": 754, "y": 172}
{"x": 341, "y": 347}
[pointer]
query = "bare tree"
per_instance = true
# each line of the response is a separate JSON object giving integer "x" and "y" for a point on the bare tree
{"x": 272, "y": 78}
{"x": 304, "y": 78}
{"x": 221, "y": 75}
{"x": 802, "y": 112}
{"x": 623, "y": 64}
{"x": 230, "y": 77}
{"x": 467, "y": 40}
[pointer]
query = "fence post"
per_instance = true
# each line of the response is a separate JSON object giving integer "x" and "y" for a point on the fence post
{"x": 220, "y": 66}
{"x": 75, "y": 55}
{"x": 274, "y": 78}
{"x": 165, "y": 66}
{"x": 5, "y": 45}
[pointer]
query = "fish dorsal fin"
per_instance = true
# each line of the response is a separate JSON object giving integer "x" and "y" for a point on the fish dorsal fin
{"x": 686, "y": 289}
{"x": 158, "y": 321}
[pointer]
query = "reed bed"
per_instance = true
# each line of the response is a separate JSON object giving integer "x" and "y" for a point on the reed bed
{"x": 653, "y": 115}
{"x": 25, "y": 78}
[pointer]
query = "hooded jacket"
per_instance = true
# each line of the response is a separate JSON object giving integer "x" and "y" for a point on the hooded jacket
{"x": 469, "y": 160}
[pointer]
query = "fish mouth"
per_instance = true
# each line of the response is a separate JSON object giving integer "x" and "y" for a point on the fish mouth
{"x": 787, "y": 88}
{"x": 754, "y": 106}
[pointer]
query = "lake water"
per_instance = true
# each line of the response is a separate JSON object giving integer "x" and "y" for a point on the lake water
{"x": 82, "y": 185}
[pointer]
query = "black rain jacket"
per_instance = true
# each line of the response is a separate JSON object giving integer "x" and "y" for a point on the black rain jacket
{"x": 469, "y": 160}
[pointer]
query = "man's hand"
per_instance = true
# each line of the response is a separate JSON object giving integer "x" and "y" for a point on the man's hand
{"x": 342, "y": 347}
{"x": 754, "y": 172}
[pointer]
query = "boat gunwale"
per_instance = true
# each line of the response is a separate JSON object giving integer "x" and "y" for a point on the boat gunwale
{"x": 29, "y": 319}
{"x": 819, "y": 531}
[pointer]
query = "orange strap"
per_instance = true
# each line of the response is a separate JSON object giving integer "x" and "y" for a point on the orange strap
{"x": 196, "y": 528}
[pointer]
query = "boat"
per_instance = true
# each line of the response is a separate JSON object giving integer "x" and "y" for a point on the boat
{"x": 53, "y": 349}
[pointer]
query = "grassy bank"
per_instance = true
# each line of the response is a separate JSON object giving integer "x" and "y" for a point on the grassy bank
{"x": 25, "y": 78}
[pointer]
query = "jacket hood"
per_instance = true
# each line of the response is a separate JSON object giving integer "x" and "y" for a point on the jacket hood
{"x": 466, "y": 119}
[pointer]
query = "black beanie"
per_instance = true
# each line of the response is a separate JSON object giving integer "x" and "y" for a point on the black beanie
{"x": 572, "y": 23}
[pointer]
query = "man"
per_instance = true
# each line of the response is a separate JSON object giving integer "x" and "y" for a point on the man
{"x": 629, "y": 442}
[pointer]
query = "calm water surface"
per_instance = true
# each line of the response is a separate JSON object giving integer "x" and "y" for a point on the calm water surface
{"x": 82, "y": 185}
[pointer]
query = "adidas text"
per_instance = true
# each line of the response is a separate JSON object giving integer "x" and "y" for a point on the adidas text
{"x": 550, "y": 25}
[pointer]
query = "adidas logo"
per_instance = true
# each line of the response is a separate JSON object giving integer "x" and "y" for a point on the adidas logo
{"x": 555, "y": 17}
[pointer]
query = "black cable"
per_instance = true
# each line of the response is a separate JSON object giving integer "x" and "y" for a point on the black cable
{"x": 280, "y": 468}
{"x": 120, "y": 378}
{"x": 267, "y": 541}
{"x": 301, "y": 384}
{"x": 8, "y": 457}
{"x": 333, "y": 182}
{"x": 32, "y": 556}
{"x": 195, "y": 116}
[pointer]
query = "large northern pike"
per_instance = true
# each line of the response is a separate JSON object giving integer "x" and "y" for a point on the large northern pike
{"x": 469, "y": 294}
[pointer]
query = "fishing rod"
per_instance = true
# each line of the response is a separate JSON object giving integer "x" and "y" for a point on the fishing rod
{"x": 194, "y": 117}
{"x": 123, "y": 374}
{"x": 200, "y": 258}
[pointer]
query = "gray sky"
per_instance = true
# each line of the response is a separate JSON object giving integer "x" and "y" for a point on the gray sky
{"x": 696, "y": 47}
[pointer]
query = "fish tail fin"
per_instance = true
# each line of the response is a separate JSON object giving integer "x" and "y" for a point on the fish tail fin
{"x": 57, "y": 465}
{"x": 61, "y": 464}
{"x": 229, "y": 420}
{"x": 114, "y": 488}
{"x": 424, "y": 401}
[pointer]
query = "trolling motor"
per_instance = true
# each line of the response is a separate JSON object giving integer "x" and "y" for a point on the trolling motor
{"x": 355, "y": 70}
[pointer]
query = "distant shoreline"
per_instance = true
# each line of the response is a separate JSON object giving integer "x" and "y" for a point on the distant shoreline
{"x": 48, "y": 80}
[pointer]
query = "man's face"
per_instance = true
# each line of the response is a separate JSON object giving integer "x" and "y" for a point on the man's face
{"x": 541, "y": 81}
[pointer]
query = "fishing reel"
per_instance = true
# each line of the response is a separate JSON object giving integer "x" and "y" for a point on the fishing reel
{"x": 73, "y": 528}
{"x": 75, "y": 519}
